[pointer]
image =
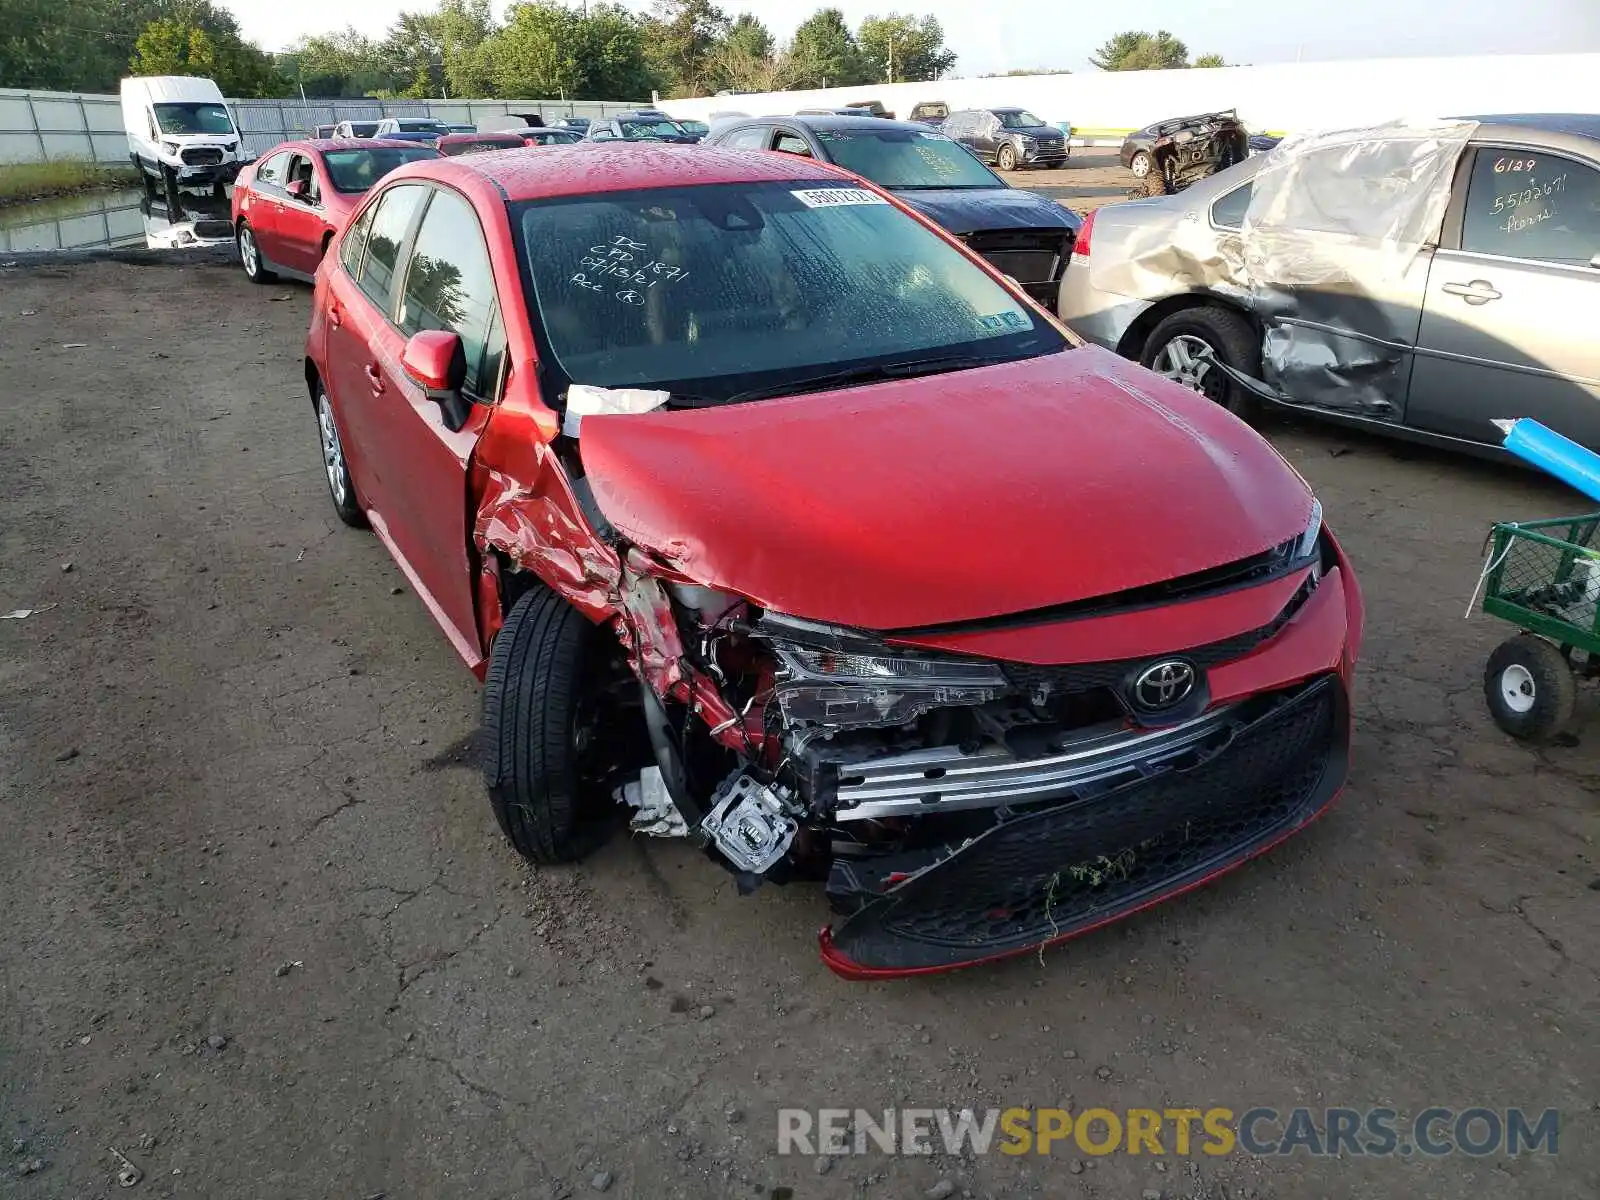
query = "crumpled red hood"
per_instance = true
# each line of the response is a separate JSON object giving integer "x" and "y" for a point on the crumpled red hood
{"x": 951, "y": 497}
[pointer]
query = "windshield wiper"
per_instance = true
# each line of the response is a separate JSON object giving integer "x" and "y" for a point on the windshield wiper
{"x": 908, "y": 369}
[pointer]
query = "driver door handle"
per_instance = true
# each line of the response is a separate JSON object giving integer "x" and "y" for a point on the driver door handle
{"x": 1479, "y": 291}
{"x": 374, "y": 379}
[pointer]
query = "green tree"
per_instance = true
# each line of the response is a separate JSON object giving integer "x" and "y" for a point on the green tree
{"x": 682, "y": 35}
{"x": 197, "y": 44}
{"x": 548, "y": 50}
{"x": 1139, "y": 51}
{"x": 824, "y": 53}
{"x": 1210, "y": 60}
{"x": 749, "y": 36}
{"x": 896, "y": 48}
{"x": 346, "y": 63}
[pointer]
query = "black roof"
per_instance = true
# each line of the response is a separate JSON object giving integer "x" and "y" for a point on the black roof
{"x": 1585, "y": 125}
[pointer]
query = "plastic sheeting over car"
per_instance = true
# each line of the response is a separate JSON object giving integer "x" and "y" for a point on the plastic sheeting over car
{"x": 1331, "y": 256}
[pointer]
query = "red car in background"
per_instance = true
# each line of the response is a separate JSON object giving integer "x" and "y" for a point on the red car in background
{"x": 288, "y": 205}
{"x": 453, "y": 144}
{"x": 777, "y": 520}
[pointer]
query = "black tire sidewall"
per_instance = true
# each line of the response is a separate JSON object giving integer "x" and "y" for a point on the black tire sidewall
{"x": 531, "y": 691}
{"x": 1231, "y": 339}
{"x": 349, "y": 509}
{"x": 1554, "y": 688}
{"x": 261, "y": 274}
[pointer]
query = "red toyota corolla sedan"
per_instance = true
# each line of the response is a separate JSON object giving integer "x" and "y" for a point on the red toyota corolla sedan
{"x": 290, "y": 203}
{"x": 777, "y": 521}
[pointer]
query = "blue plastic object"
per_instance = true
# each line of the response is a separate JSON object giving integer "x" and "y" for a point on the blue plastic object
{"x": 1549, "y": 451}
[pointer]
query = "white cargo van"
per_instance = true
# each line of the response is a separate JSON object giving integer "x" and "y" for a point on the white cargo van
{"x": 180, "y": 131}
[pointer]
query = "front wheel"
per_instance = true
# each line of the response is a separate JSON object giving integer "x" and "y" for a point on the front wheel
{"x": 250, "y": 256}
{"x": 1529, "y": 688}
{"x": 1187, "y": 345}
{"x": 1006, "y": 159}
{"x": 1139, "y": 165}
{"x": 541, "y": 735}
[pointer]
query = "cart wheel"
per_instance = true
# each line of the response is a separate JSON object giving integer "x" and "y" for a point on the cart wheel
{"x": 1530, "y": 688}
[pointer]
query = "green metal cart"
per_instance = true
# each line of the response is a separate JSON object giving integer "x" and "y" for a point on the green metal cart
{"x": 1544, "y": 577}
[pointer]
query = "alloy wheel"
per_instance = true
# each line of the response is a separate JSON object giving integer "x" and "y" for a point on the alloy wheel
{"x": 248, "y": 254}
{"x": 332, "y": 451}
{"x": 1140, "y": 166}
{"x": 1186, "y": 359}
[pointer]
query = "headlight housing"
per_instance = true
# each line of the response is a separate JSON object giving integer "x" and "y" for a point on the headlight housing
{"x": 841, "y": 678}
{"x": 1307, "y": 545}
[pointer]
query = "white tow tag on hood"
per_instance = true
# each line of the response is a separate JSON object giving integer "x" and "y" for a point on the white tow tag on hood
{"x": 586, "y": 400}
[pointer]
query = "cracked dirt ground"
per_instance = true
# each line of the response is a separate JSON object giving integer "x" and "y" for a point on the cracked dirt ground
{"x": 270, "y": 833}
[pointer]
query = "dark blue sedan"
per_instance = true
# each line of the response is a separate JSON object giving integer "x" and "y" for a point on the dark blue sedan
{"x": 1023, "y": 234}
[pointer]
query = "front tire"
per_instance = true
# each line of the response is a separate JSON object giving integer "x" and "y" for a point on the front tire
{"x": 535, "y": 730}
{"x": 1176, "y": 349}
{"x": 340, "y": 488}
{"x": 250, "y": 255}
{"x": 1139, "y": 164}
{"x": 1529, "y": 687}
{"x": 1006, "y": 158}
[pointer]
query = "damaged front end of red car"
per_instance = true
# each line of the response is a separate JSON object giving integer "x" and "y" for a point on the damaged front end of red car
{"x": 978, "y": 746}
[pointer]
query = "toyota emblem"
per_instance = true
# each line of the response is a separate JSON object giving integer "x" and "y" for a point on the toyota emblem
{"x": 1164, "y": 684}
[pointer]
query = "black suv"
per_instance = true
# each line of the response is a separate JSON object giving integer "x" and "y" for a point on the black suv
{"x": 1007, "y": 137}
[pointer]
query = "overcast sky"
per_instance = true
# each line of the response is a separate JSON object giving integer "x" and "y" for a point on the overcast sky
{"x": 999, "y": 35}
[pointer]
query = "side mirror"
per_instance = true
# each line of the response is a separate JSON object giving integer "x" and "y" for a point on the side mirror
{"x": 299, "y": 189}
{"x": 435, "y": 361}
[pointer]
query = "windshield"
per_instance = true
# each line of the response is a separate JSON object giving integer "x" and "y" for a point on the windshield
{"x": 1019, "y": 120}
{"x": 711, "y": 291}
{"x": 420, "y": 126}
{"x": 363, "y": 128}
{"x": 906, "y": 158}
{"x": 358, "y": 170}
{"x": 649, "y": 129}
{"x": 193, "y": 118}
{"x": 557, "y": 137}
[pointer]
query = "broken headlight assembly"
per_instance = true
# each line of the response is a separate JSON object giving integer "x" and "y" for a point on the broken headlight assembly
{"x": 841, "y": 678}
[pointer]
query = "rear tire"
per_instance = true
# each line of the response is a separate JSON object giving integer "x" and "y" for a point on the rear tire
{"x": 1006, "y": 158}
{"x": 1170, "y": 351}
{"x": 1529, "y": 687}
{"x": 250, "y": 255}
{"x": 532, "y": 736}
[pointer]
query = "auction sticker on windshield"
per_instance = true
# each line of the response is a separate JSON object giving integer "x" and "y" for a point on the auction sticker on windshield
{"x": 834, "y": 197}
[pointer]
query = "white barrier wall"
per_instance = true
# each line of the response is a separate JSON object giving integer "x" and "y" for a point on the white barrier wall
{"x": 1277, "y": 98}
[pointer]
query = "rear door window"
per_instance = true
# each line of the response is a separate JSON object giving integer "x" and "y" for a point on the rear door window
{"x": 790, "y": 142}
{"x": 391, "y": 222}
{"x": 355, "y": 241}
{"x": 450, "y": 285}
{"x": 754, "y": 138}
{"x": 1533, "y": 205}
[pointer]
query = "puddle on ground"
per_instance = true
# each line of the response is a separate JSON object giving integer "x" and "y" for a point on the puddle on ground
{"x": 120, "y": 219}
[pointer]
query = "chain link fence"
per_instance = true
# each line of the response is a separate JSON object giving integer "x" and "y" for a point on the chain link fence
{"x": 72, "y": 126}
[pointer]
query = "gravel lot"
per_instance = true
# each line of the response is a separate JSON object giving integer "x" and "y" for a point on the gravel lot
{"x": 262, "y": 935}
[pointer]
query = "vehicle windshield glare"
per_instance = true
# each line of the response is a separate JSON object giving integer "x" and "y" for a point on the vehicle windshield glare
{"x": 1019, "y": 120}
{"x": 905, "y": 158}
{"x": 712, "y": 291}
{"x": 423, "y": 126}
{"x": 357, "y": 170}
{"x": 648, "y": 129}
{"x": 193, "y": 118}
{"x": 478, "y": 145}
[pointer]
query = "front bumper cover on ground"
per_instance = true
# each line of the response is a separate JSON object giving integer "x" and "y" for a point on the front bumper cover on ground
{"x": 1046, "y": 876}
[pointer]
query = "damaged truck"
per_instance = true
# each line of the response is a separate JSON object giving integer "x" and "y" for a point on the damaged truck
{"x": 778, "y": 523}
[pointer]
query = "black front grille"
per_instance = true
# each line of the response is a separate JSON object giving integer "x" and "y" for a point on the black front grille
{"x": 202, "y": 156}
{"x": 1027, "y": 255}
{"x": 1042, "y": 876}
